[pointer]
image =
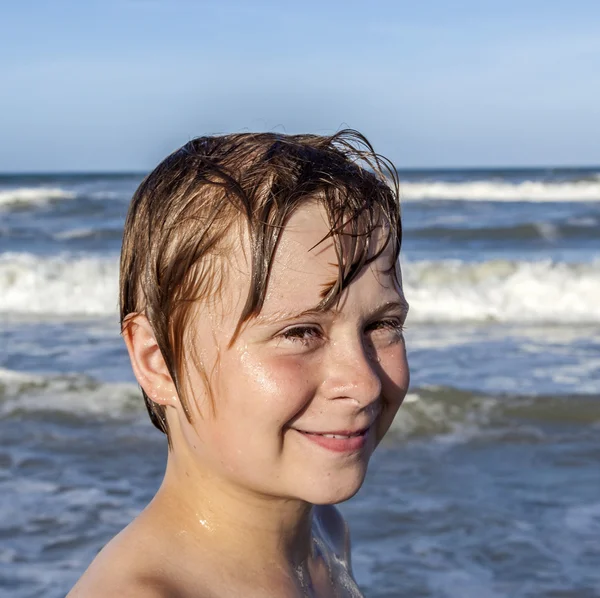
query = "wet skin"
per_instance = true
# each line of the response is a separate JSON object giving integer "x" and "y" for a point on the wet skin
{"x": 285, "y": 417}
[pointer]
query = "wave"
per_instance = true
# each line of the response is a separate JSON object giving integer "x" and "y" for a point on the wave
{"x": 59, "y": 286}
{"x": 460, "y": 415}
{"x": 482, "y": 190}
{"x": 23, "y": 196}
{"x": 486, "y": 190}
{"x": 503, "y": 291}
{"x": 89, "y": 233}
{"x": 575, "y": 228}
{"x": 443, "y": 412}
{"x": 439, "y": 291}
{"x": 69, "y": 395}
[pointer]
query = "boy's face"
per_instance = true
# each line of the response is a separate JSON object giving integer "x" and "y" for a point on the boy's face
{"x": 295, "y": 376}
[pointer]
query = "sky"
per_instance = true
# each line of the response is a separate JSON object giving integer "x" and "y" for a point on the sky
{"x": 116, "y": 85}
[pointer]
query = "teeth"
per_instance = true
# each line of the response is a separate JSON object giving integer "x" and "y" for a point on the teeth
{"x": 346, "y": 436}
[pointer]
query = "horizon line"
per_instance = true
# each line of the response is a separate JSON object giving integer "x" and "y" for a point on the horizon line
{"x": 136, "y": 172}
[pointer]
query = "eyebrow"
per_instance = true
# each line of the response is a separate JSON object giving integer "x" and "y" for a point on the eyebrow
{"x": 282, "y": 316}
{"x": 400, "y": 305}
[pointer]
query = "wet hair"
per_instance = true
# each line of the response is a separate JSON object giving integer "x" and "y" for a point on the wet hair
{"x": 184, "y": 217}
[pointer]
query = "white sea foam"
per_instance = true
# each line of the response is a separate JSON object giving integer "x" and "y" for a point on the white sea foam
{"x": 33, "y": 195}
{"x": 58, "y": 285}
{"x": 485, "y": 190}
{"x": 439, "y": 291}
{"x": 75, "y": 233}
{"x": 503, "y": 291}
{"x": 70, "y": 393}
{"x": 455, "y": 417}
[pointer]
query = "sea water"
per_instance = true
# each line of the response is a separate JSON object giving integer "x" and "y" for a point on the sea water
{"x": 488, "y": 484}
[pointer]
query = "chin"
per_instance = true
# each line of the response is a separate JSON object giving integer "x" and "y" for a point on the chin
{"x": 332, "y": 490}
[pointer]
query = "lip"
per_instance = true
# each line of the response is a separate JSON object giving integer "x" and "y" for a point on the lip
{"x": 354, "y": 440}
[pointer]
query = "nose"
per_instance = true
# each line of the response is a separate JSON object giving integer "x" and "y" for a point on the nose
{"x": 350, "y": 372}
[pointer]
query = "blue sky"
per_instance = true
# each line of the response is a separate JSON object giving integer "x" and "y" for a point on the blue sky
{"x": 115, "y": 85}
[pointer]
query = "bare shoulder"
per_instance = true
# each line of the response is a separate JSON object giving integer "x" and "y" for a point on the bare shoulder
{"x": 125, "y": 567}
{"x": 90, "y": 586}
{"x": 336, "y": 531}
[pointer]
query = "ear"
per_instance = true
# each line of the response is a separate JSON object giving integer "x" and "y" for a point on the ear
{"x": 147, "y": 360}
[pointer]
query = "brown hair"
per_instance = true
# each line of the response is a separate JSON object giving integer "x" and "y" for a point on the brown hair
{"x": 181, "y": 216}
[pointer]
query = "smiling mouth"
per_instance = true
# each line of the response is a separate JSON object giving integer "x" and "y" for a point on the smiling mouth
{"x": 340, "y": 441}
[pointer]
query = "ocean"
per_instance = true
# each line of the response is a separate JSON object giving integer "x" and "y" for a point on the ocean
{"x": 488, "y": 484}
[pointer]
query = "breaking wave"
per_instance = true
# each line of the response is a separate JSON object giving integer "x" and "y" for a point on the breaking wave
{"x": 460, "y": 415}
{"x": 442, "y": 412}
{"x": 439, "y": 291}
{"x": 503, "y": 291}
{"x": 58, "y": 286}
{"x": 73, "y": 395}
{"x": 485, "y": 190}
{"x": 35, "y": 196}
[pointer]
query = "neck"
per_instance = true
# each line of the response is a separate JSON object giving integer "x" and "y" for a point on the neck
{"x": 251, "y": 528}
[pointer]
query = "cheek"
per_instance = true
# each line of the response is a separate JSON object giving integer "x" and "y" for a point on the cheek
{"x": 395, "y": 377}
{"x": 395, "y": 374}
{"x": 278, "y": 387}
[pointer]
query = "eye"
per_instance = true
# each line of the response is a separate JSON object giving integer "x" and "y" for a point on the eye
{"x": 305, "y": 335}
{"x": 388, "y": 328}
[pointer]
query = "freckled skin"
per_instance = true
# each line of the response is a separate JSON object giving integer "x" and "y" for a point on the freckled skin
{"x": 268, "y": 385}
{"x": 235, "y": 514}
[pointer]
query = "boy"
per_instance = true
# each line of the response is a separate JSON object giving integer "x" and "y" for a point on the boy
{"x": 262, "y": 309}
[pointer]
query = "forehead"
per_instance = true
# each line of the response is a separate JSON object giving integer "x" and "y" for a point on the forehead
{"x": 305, "y": 265}
{"x": 303, "y": 248}
{"x": 303, "y": 269}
